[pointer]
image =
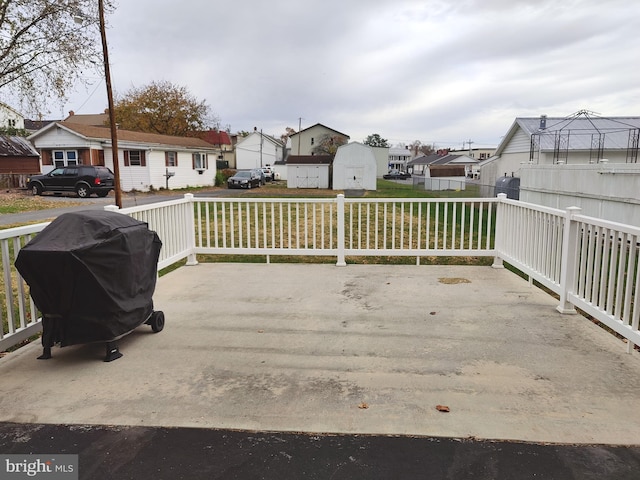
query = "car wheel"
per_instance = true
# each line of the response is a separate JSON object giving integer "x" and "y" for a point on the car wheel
{"x": 83, "y": 191}
{"x": 157, "y": 321}
{"x": 103, "y": 194}
{"x": 36, "y": 189}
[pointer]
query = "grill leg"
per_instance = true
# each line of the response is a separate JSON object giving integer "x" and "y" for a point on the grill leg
{"x": 113, "y": 353}
{"x": 46, "y": 354}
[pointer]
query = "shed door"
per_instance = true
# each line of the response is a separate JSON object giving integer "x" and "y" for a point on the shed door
{"x": 308, "y": 177}
{"x": 355, "y": 177}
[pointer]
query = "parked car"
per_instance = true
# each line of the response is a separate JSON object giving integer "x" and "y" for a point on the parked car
{"x": 260, "y": 173}
{"x": 244, "y": 179}
{"x": 268, "y": 173}
{"x": 82, "y": 179}
{"x": 396, "y": 175}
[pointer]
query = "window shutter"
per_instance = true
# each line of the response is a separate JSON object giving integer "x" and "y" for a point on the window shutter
{"x": 47, "y": 157}
{"x": 193, "y": 161}
{"x": 166, "y": 159}
{"x": 126, "y": 158}
{"x": 143, "y": 158}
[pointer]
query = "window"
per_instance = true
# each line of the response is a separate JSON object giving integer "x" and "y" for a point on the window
{"x": 62, "y": 158}
{"x": 312, "y": 141}
{"x": 134, "y": 158}
{"x": 200, "y": 161}
{"x": 171, "y": 159}
{"x": 12, "y": 123}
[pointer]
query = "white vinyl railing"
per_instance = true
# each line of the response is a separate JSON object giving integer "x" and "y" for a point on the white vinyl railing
{"x": 589, "y": 263}
{"x": 345, "y": 227}
{"x": 18, "y": 314}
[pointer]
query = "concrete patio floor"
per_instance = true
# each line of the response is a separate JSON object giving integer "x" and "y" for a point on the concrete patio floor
{"x": 367, "y": 349}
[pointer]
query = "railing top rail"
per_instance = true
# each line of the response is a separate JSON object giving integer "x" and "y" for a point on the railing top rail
{"x": 151, "y": 206}
{"x": 533, "y": 206}
{"x": 264, "y": 200}
{"x": 421, "y": 200}
{"x": 598, "y": 222}
{"x": 19, "y": 231}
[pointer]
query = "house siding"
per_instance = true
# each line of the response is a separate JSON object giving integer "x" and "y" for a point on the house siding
{"x": 304, "y": 142}
{"x": 602, "y": 190}
{"x": 249, "y": 154}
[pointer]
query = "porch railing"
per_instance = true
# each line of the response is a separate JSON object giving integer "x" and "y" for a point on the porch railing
{"x": 589, "y": 263}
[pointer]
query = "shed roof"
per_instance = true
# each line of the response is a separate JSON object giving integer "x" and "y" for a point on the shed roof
{"x": 309, "y": 160}
{"x": 11, "y": 146}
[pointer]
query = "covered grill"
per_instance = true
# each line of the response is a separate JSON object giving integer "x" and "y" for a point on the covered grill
{"x": 92, "y": 275}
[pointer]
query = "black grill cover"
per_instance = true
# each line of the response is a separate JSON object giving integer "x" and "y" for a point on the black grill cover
{"x": 92, "y": 274}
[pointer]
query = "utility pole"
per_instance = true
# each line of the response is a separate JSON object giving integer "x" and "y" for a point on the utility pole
{"x": 469, "y": 142}
{"x": 299, "y": 128}
{"x": 261, "y": 139}
{"x": 112, "y": 118}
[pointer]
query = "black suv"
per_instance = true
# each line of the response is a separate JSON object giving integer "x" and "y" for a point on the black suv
{"x": 82, "y": 179}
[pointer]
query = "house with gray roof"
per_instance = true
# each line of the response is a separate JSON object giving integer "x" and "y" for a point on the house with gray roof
{"x": 581, "y": 160}
{"x": 581, "y": 138}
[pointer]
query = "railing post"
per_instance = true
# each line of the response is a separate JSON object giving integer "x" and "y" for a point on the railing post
{"x": 341, "y": 261}
{"x": 568, "y": 260}
{"x": 111, "y": 208}
{"x": 499, "y": 232}
{"x": 191, "y": 229}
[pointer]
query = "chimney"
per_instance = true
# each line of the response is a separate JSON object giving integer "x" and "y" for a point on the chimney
{"x": 543, "y": 122}
{"x": 71, "y": 113}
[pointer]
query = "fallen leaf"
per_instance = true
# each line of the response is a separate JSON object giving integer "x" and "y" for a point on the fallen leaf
{"x": 363, "y": 405}
{"x": 453, "y": 281}
{"x": 442, "y": 408}
{"x": 260, "y": 331}
{"x": 432, "y": 313}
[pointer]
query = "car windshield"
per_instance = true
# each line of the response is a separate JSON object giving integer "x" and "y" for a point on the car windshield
{"x": 243, "y": 174}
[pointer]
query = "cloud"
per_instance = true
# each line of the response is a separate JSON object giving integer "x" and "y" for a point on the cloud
{"x": 436, "y": 71}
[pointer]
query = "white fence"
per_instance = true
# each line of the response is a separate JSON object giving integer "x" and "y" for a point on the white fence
{"x": 590, "y": 263}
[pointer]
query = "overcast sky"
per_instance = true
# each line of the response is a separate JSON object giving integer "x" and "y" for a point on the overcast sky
{"x": 438, "y": 71}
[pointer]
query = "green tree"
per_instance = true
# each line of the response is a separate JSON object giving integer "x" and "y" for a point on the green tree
{"x": 375, "y": 140}
{"x": 328, "y": 144}
{"x": 162, "y": 107}
{"x": 45, "y": 47}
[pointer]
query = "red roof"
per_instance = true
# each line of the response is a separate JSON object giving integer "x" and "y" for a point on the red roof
{"x": 215, "y": 137}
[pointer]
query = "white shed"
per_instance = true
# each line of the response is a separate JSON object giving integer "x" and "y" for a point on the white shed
{"x": 354, "y": 167}
{"x": 309, "y": 171}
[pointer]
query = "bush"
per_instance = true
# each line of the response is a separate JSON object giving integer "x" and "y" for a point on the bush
{"x": 223, "y": 175}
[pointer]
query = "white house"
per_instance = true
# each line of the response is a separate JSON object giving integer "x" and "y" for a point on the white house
{"x": 258, "y": 150}
{"x": 354, "y": 167}
{"x": 146, "y": 161}
{"x": 398, "y": 159}
{"x": 578, "y": 139}
{"x": 305, "y": 141}
{"x": 10, "y": 118}
{"x": 581, "y": 160}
